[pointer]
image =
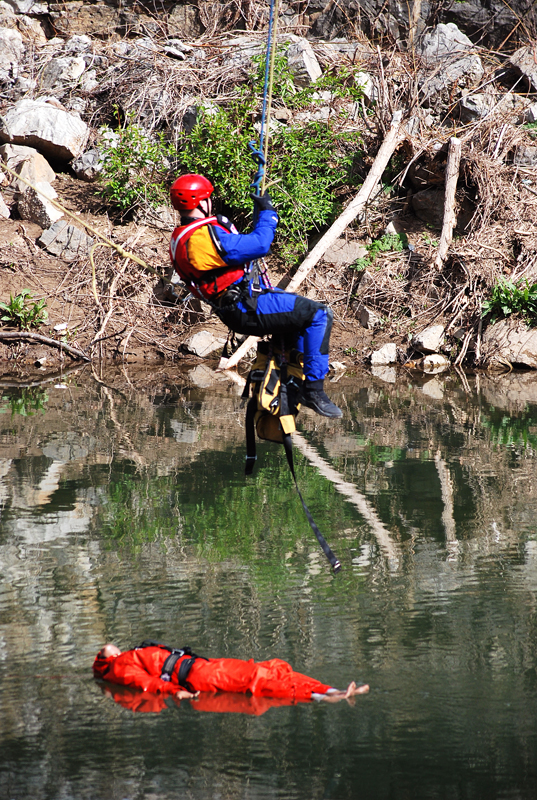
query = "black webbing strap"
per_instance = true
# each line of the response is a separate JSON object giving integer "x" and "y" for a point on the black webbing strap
{"x": 182, "y": 675}
{"x": 169, "y": 664}
{"x": 251, "y": 457}
{"x": 288, "y": 445}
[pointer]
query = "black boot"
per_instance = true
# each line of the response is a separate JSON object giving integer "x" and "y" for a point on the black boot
{"x": 313, "y": 396}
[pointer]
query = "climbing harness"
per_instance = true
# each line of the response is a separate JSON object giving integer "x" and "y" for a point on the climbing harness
{"x": 169, "y": 665}
{"x": 276, "y": 382}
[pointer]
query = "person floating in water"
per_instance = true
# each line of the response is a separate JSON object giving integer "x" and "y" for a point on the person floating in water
{"x": 159, "y": 669}
{"x": 216, "y": 262}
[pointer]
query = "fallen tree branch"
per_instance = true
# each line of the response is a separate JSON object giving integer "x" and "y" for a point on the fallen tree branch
{"x": 452, "y": 176}
{"x": 26, "y": 336}
{"x": 394, "y": 136}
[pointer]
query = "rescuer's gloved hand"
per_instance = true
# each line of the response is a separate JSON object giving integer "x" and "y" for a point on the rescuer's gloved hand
{"x": 263, "y": 201}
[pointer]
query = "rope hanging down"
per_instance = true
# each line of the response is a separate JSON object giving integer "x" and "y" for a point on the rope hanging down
{"x": 260, "y": 154}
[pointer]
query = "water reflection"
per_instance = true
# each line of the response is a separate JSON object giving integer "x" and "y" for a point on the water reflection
{"x": 125, "y": 514}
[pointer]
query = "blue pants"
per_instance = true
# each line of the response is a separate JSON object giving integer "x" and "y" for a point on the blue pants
{"x": 304, "y": 324}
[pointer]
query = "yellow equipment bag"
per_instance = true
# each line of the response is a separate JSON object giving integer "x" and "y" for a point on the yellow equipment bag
{"x": 276, "y": 381}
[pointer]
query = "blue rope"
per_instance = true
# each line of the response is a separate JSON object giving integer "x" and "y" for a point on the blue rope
{"x": 255, "y": 152}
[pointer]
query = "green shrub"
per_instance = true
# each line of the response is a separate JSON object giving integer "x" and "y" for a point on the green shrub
{"x": 134, "y": 168}
{"x": 306, "y": 166}
{"x": 23, "y": 311}
{"x": 512, "y": 298}
{"x": 388, "y": 243}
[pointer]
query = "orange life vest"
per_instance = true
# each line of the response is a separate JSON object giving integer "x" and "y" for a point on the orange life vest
{"x": 197, "y": 261}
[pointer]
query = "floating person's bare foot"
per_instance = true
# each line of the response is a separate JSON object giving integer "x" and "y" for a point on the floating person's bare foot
{"x": 335, "y": 695}
{"x": 353, "y": 689}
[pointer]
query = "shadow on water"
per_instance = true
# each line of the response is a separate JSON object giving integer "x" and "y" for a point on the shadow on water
{"x": 125, "y": 514}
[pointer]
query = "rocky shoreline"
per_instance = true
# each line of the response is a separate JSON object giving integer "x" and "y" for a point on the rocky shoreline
{"x": 67, "y": 72}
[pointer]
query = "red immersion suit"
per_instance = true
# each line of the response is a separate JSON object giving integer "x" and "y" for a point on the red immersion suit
{"x": 142, "y": 668}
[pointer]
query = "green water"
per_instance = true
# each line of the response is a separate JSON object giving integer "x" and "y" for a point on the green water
{"x": 125, "y": 515}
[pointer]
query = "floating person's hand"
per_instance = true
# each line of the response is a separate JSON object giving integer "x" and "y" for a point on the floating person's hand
{"x": 182, "y": 694}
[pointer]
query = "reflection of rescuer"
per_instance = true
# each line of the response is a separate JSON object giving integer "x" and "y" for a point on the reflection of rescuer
{"x": 157, "y": 669}
{"x": 214, "y": 260}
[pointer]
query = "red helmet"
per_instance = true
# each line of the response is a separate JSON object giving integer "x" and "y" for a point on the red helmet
{"x": 189, "y": 190}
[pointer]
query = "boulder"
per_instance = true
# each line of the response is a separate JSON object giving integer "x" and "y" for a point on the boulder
{"x": 27, "y": 163}
{"x": 11, "y": 53}
{"x": 65, "y": 69}
{"x": 510, "y": 341}
{"x": 302, "y": 63}
{"x": 203, "y": 343}
{"x": 386, "y": 355}
{"x": 41, "y": 124}
{"x": 35, "y": 205}
{"x": 65, "y": 241}
{"x": 449, "y": 60}
{"x": 429, "y": 340}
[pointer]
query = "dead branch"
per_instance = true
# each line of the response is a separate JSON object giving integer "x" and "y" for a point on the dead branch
{"x": 26, "y": 336}
{"x": 450, "y": 219}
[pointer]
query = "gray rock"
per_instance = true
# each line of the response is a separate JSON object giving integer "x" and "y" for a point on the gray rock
{"x": 525, "y": 156}
{"x": 5, "y": 211}
{"x": 28, "y": 163}
{"x": 78, "y": 44}
{"x": 429, "y": 340}
{"x": 88, "y": 81}
{"x": 11, "y": 53}
{"x": 88, "y": 166}
{"x": 203, "y": 344}
{"x": 65, "y": 241}
{"x": 448, "y": 60}
{"x": 184, "y": 22}
{"x": 524, "y": 66}
{"x": 41, "y": 124}
{"x": 343, "y": 253}
{"x": 302, "y": 63}
{"x": 20, "y": 6}
{"x": 35, "y": 205}
{"x": 367, "y": 317}
{"x": 71, "y": 18}
{"x": 368, "y": 85}
{"x": 530, "y": 114}
{"x": 66, "y": 69}
{"x": 386, "y": 355}
{"x": 435, "y": 363}
{"x": 510, "y": 341}
{"x": 475, "y": 106}
{"x": 428, "y": 205}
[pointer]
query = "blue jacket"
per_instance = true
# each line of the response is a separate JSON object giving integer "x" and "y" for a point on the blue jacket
{"x": 239, "y": 248}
